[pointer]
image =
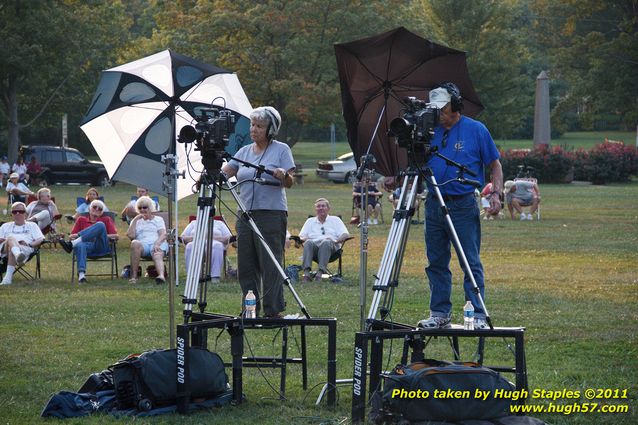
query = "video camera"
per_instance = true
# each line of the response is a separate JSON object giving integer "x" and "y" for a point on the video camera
{"x": 415, "y": 128}
{"x": 211, "y": 135}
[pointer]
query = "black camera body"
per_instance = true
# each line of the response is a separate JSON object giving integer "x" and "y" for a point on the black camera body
{"x": 211, "y": 135}
{"x": 415, "y": 128}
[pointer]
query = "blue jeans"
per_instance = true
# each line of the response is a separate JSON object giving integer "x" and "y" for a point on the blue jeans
{"x": 94, "y": 243}
{"x": 465, "y": 216}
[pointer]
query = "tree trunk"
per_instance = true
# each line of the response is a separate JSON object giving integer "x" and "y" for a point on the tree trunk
{"x": 12, "y": 113}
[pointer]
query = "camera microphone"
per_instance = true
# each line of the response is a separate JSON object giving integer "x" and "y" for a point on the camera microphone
{"x": 265, "y": 182}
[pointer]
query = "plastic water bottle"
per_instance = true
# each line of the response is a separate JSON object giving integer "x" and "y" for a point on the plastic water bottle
{"x": 468, "y": 316}
{"x": 250, "y": 305}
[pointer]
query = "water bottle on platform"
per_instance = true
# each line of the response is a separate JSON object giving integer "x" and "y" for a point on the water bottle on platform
{"x": 250, "y": 305}
{"x": 468, "y": 316}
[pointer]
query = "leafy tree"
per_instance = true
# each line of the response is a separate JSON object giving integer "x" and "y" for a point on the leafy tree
{"x": 490, "y": 32}
{"x": 282, "y": 50}
{"x": 593, "y": 46}
{"x": 49, "y": 57}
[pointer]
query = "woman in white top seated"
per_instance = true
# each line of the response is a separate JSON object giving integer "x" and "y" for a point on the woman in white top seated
{"x": 148, "y": 238}
{"x": 221, "y": 237}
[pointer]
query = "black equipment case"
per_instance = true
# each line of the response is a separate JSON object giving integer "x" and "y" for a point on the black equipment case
{"x": 149, "y": 380}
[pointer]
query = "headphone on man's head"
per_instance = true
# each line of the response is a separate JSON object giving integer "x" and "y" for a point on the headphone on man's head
{"x": 456, "y": 101}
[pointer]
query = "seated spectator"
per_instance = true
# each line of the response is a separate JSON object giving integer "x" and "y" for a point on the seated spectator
{"x": 43, "y": 211}
{"x": 148, "y": 238}
{"x": 519, "y": 194}
{"x": 5, "y": 170}
{"x": 396, "y": 195}
{"x": 90, "y": 236}
{"x": 374, "y": 195}
{"x": 19, "y": 190}
{"x": 129, "y": 212}
{"x": 91, "y": 195}
{"x": 322, "y": 236}
{"x": 34, "y": 169}
{"x": 18, "y": 239}
{"x": 485, "y": 203}
{"x": 221, "y": 238}
{"x": 21, "y": 168}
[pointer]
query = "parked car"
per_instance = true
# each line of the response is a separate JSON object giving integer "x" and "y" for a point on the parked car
{"x": 341, "y": 170}
{"x": 65, "y": 165}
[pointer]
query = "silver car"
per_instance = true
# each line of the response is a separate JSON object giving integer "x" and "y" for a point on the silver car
{"x": 341, "y": 170}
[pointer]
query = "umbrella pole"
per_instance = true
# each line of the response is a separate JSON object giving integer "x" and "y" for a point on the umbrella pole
{"x": 363, "y": 224}
{"x": 170, "y": 179}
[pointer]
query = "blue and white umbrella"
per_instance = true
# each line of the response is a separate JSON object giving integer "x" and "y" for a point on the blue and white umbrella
{"x": 140, "y": 107}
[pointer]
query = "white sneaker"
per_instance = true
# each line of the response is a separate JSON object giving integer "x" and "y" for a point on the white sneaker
{"x": 21, "y": 259}
{"x": 523, "y": 217}
{"x": 369, "y": 221}
{"x": 529, "y": 216}
{"x": 5, "y": 282}
{"x": 480, "y": 324}
{"x": 434, "y": 322}
{"x": 375, "y": 221}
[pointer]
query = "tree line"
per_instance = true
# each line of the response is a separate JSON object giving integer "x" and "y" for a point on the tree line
{"x": 53, "y": 51}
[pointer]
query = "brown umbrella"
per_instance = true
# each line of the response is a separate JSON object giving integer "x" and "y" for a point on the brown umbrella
{"x": 378, "y": 72}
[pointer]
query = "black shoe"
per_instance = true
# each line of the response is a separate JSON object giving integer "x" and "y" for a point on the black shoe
{"x": 160, "y": 280}
{"x": 83, "y": 280}
{"x": 68, "y": 246}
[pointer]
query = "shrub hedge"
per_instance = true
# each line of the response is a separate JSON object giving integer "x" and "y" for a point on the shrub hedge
{"x": 607, "y": 162}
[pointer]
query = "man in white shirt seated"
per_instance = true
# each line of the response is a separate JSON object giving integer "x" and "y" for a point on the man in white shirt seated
{"x": 18, "y": 239}
{"x": 322, "y": 236}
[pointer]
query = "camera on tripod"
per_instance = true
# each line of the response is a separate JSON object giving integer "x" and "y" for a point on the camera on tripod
{"x": 415, "y": 128}
{"x": 210, "y": 134}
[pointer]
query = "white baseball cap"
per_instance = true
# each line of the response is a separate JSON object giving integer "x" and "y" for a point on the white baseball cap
{"x": 440, "y": 97}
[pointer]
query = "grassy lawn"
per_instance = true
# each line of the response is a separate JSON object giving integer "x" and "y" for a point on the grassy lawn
{"x": 570, "y": 279}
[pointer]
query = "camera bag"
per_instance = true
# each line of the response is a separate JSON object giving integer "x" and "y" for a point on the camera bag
{"x": 444, "y": 378}
{"x": 149, "y": 380}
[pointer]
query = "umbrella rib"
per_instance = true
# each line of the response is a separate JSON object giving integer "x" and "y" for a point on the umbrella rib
{"x": 192, "y": 90}
{"x": 367, "y": 102}
{"x": 372, "y": 74}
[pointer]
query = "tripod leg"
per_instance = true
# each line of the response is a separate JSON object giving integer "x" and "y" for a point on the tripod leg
{"x": 204, "y": 205}
{"x": 388, "y": 274}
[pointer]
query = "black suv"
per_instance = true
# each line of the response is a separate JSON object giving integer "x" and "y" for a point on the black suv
{"x": 65, "y": 165}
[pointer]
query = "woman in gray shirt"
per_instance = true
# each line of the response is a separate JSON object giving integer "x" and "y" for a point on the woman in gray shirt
{"x": 267, "y": 205}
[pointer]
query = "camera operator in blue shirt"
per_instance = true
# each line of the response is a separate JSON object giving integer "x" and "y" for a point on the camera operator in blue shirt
{"x": 468, "y": 142}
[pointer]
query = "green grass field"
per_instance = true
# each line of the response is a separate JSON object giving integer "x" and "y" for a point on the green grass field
{"x": 570, "y": 279}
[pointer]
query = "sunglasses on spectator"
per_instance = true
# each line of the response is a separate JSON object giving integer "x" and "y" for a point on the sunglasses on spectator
{"x": 143, "y": 208}
{"x": 18, "y": 211}
{"x": 97, "y": 207}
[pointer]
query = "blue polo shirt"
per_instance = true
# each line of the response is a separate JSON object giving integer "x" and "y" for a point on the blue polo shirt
{"x": 469, "y": 143}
